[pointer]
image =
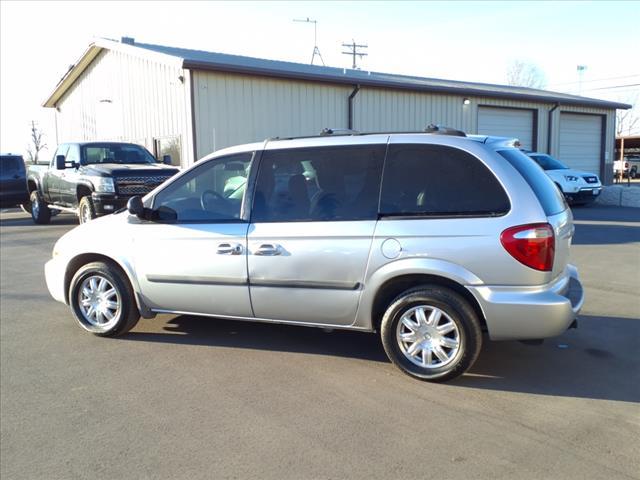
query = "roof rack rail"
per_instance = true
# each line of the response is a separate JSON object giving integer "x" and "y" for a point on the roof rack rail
{"x": 439, "y": 130}
{"x": 338, "y": 131}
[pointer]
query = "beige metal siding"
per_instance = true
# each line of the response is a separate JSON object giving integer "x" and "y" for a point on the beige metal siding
{"x": 232, "y": 109}
{"x": 384, "y": 110}
{"x": 127, "y": 98}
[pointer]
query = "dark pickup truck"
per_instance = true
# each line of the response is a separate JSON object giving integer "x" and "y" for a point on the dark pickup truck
{"x": 92, "y": 179}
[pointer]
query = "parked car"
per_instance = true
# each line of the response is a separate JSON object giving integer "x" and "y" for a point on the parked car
{"x": 91, "y": 179}
{"x": 578, "y": 187}
{"x": 13, "y": 180}
{"x": 626, "y": 168}
{"x": 428, "y": 239}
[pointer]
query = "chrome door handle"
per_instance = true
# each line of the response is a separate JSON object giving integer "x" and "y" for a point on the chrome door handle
{"x": 229, "y": 249}
{"x": 268, "y": 249}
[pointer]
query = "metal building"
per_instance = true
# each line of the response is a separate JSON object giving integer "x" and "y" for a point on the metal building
{"x": 189, "y": 103}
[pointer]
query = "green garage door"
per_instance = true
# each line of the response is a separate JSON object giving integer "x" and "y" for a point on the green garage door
{"x": 507, "y": 122}
{"x": 581, "y": 141}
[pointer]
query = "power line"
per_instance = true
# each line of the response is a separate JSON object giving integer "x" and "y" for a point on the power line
{"x": 353, "y": 46}
{"x": 615, "y": 86}
{"x": 595, "y": 80}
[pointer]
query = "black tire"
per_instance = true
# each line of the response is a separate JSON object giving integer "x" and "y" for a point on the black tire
{"x": 86, "y": 210}
{"x": 40, "y": 212}
{"x": 456, "y": 309}
{"x": 124, "y": 318}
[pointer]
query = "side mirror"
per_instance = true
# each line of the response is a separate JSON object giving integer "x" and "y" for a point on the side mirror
{"x": 60, "y": 165}
{"x": 166, "y": 159}
{"x": 136, "y": 207}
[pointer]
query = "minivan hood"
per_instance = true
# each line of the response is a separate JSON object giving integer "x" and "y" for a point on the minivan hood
{"x": 108, "y": 169}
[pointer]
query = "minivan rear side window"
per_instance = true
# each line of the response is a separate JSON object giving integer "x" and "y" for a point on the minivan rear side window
{"x": 319, "y": 184}
{"x": 437, "y": 180}
{"x": 548, "y": 194}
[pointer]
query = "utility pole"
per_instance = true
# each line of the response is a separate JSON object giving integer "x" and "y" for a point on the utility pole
{"x": 580, "y": 69}
{"x": 353, "y": 46}
{"x": 316, "y": 50}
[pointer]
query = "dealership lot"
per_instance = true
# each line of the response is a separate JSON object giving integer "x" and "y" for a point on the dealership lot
{"x": 186, "y": 397}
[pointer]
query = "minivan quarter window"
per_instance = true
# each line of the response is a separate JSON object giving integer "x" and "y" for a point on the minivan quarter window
{"x": 437, "y": 180}
{"x": 211, "y": 192}
{"x": 319, "y": 184}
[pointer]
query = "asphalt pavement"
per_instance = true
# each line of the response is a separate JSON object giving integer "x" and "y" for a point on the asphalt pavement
{"x": 182, "y": 397}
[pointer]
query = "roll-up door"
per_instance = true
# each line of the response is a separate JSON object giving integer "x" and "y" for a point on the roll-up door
{"x": 507, "y": 122}
{"x": 581, "y": 141}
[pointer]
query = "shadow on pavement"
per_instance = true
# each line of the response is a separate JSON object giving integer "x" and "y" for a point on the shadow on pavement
{"x": 598, "y": 234}
{"x": 27, "y": 221}
{"x": 573, "y": 365}
{"x": 215, "y": 332}
{"x": 602, "y": 213}
{"x": 598, "y": 360}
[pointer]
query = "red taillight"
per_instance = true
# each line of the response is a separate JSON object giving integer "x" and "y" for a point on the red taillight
{"x": 533, "y": 245}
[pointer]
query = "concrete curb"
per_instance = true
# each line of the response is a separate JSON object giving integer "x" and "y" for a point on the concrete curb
{"x": 620, "y": 196}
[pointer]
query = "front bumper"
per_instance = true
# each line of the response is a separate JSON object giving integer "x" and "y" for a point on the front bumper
{"x": 54, "y": 272}
{"x": 108, "y": 203}
{"x": 526, "y": 313}
{"x": 584, "y": 194}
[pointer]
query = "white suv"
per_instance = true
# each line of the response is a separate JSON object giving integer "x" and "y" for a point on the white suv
{"x": 578, "y": 187}
{"x": 428, "y": 239}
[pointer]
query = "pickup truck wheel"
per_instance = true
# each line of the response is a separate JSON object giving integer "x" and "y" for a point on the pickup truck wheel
{"x": 26, "y": 207}
{"x": 102, "y": 300}
{"x": 86, "y": 210}
{"x": 40, "y": 212}
{"x": 431, "y": 333}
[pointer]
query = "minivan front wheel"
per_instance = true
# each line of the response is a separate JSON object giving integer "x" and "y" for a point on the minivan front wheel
{"x": 431, "y": 333}
{"x": 102, "y": 300}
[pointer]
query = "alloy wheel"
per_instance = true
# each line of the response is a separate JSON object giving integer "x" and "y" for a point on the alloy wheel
{"x": 99, "y": 302}
{"x": 428, "y": 337}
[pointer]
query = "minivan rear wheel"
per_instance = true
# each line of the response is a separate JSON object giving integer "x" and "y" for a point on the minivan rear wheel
{"x": 431, "y": 333}
{"x": 102, "y": 300}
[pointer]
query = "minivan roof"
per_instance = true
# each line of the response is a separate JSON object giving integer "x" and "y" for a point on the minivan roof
{"x": 357, "y": 138}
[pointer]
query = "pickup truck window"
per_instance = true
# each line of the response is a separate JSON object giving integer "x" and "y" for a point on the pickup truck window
{"x": 61, "y": 150}
{"x": 116, "y": 153}
{"x": 73, "y": 154}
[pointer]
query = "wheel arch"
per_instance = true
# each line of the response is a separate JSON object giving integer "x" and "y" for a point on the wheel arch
{"x": 390, "y": 280}
{"x": 32, "y": 184}
{"x": 80, "y": 260}
{"x": 396, "y": 285}
{"x": 83, "y": 190}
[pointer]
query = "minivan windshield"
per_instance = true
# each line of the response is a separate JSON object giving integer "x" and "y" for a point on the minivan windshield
{"x": 547, "y": 162}
{"x": 116, "y": 153}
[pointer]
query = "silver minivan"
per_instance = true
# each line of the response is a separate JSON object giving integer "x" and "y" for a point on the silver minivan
{"x": 433, "y": 240}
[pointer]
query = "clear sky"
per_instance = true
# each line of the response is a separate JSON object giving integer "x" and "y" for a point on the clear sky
{"x": 473, "y": 41}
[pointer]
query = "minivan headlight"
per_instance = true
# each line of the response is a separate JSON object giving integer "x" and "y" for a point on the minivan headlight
{"x": 571, "y": 178}
{"x": 102, "y": 184}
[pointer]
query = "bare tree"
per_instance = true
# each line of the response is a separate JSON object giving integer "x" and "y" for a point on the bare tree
{"x": 628, "y": 121}
{"x": 525, "y": 74}
{"x": 37, "y": 143}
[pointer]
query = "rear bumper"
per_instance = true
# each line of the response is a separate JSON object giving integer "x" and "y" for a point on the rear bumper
{"x": 525, "y": 313}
